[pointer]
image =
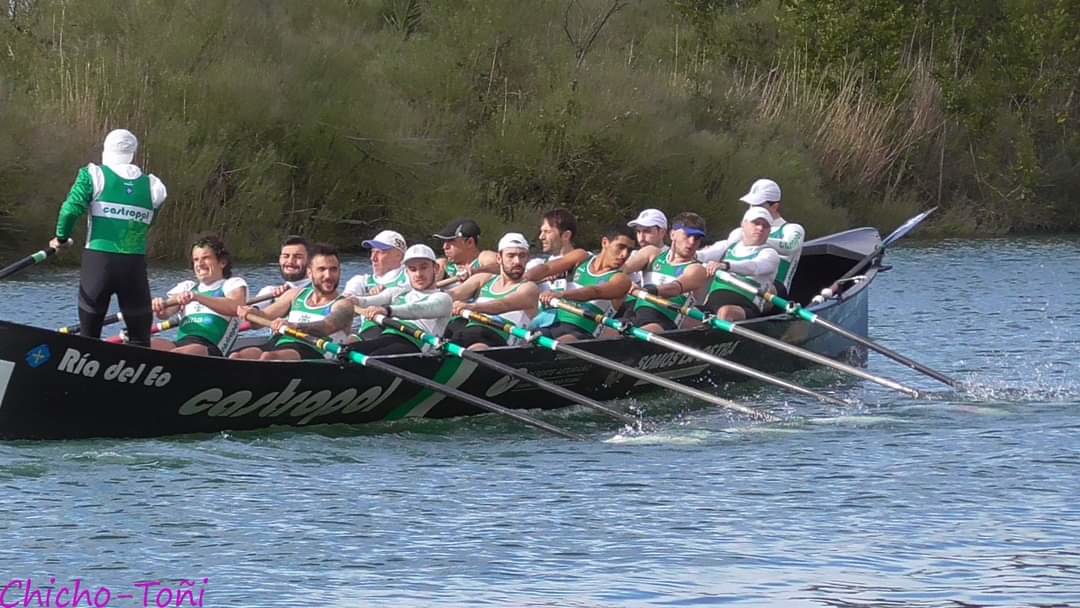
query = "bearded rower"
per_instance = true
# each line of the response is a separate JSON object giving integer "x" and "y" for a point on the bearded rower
{"x": 123, "y": 203}
{"x": 387, "y": 252}
{"x": 557, "y": 230}
{"x": 421, "y": 305}
{"x": 292, "y": 264}
{"x": 597, "y": 284}
{"x": 752, "y": 259}
{"x": 506, "y": 294}
{"x": 318, "y": 310}
{"x": 461, "y": 245}
{"x": 671, "y": 272}
{"x": 208, "y": 323}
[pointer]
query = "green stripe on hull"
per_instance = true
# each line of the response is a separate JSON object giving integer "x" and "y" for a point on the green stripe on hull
{"x": 446, "y": 371}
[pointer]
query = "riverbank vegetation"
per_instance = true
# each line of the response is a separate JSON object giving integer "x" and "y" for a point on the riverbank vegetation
{"x": 336, "y": 118}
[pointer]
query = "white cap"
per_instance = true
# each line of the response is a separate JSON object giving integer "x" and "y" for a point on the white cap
{"x": 761, "y": 192}
{"x": 513, "y": 240}
{"x": 419, "y": 252}
{"x": 119, "y": 149}
{"x": 386, "y": 240}
{"x": 649, "y": 218}
{"x": 757, "y": 213}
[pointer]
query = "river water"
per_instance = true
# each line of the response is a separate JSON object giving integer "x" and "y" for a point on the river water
{"x": 969, "y": 498}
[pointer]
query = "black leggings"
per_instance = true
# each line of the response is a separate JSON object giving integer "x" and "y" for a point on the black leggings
{"x": 104, "y": 274}
{"x": 386, "y": 344}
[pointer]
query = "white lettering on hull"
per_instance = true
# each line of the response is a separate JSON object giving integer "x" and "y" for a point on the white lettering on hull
{"x": 6, "y": 367}
{"x": 289, "y": 401}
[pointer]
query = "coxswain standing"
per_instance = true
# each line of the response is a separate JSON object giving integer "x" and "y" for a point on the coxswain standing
{"x": 123, "y": 203}
{"x": 506, "y": 294}
{"x": 292, "y": 264}
{"x": 208, "y": 323}
{"x": 461, "y": 246}
{"x": 596, "y": 285}
{"x": 318, "y": 310}
{"x": 671, "y": 272}
{"x": 420, "y": 305}
{"x": 750, "y": 257}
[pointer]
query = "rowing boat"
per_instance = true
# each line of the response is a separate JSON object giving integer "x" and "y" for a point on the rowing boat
{"x": 57, "y": 386}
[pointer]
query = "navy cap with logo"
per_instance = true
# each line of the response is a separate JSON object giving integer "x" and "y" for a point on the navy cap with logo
{"x": 459, "y": 228}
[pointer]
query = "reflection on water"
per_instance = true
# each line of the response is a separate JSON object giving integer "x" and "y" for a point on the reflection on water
{"x": 962, "y": 499}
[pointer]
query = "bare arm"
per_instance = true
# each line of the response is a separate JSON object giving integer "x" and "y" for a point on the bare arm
{"x": 339, "y": 319}
{"x": 692, "y": 279}
{"x": 227, "y": 305}
{"x": 557, "y": 267}
{"x": 469, "y": 288}
{"x": 613, "y": 289}
{"x": 279, "y": 307}
{"x": 640, "y": 259}
{"x": 524, "y": 298}
{"x": 487, "y": 261}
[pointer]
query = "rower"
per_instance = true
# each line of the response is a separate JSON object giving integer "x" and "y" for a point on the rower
{"x": 650, "y": 228}
{"x": 421, "y": 305}
{"x": 506, "y": 294}
{"x": 123, "y": 203}
{"x": 387, "y": 252}
{"x": 557, "y": 230}
{"x": 461, "y": 245}
{"x": 318, "y": 310}
{"x": 670, "y": 272}
{"x": 292, "y": 264}
{"x": 208, "y": 325}
{"x": 752, "y": 259}
{"x": 786, "y": 237}
{"x": 597, "y": 284}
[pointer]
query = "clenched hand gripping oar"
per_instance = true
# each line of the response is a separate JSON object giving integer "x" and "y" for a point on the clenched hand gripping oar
{"x": 633, "y": 372}
{"x": 329, "y": 346}
{"x": 791, "y": 349}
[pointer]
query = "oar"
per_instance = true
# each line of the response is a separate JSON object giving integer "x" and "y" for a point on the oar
{"x": 335, "y": 349}
{"x": 117, "y": 317}
{"x": 794, "y": 308}
{"x": 633, "y": 372}
{"x": 170, "y": 323}
{"x": 648, "y": 336}
{"x": 902, "y": 231}
{"x": 459, "y": 351}
{"x": 34, "y": 258}
{"x": 791, "y": 349}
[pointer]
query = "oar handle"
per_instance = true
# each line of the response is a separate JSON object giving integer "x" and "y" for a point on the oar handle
{"x": 686, "y": 310}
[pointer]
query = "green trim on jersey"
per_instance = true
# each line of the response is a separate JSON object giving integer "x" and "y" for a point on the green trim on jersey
{"x": 785, "y": 262}
{"x": 584, "y": 277}
{"x": 207, "y": 324}
{"x": 452, "y": 267}
{"x": 660, "y": 272}
{"x": 718, "y": 285}
{"x": 371, "y": 283}
{"x": 487, "y": 295}
{"x": 300, "y": 312}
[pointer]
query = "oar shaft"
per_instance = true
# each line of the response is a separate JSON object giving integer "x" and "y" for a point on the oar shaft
{"x": 34, "y": 258}
{"x": 502, "y": 368}
{"x": 118, "y": 317}
{"x": 780, "y": 345}
{"x": 796, "y": 309}
{"x": 633, "y": 372}
{"x": 648, "y": 336}
{"x": 334, "y": 348}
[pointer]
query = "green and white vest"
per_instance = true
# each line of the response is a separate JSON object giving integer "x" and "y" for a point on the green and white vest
{"x": 201, "y": 321}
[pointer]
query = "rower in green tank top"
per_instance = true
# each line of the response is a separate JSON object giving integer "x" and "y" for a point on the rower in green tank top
{"x": 750, "y": 258}
{"x": 319, "y": 310}
{"x": 672, "y": 273}
{"x": 506, "y": 294}
{"x": 122, "y": 203}
{"x": 207, "y": 307}
{"x": 597, "y": 285}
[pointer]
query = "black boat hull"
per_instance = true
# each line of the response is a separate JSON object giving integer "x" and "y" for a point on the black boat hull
{"x": 62, "y": 386}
